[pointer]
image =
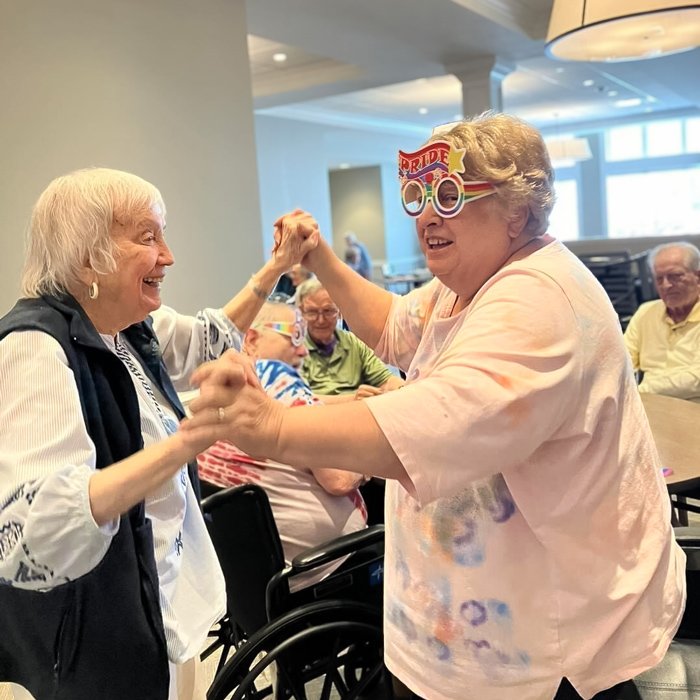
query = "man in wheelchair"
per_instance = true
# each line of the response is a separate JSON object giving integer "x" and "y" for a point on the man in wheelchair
{"x": 309, "y": 506}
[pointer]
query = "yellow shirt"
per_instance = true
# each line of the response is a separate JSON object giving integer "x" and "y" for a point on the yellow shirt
{"x": 668, "y": 353}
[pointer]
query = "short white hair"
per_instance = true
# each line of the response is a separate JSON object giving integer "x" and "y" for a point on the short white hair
{"x": 690, "y": 253}
{"x": 305, "y": 289}
{"x": 71, "y": 226}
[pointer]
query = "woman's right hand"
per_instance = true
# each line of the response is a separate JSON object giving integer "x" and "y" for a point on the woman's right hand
{"x": 233, "y": 406}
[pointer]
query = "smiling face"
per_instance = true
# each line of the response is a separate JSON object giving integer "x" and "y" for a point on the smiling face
{"x": 132, "y": 291}
{"x": 321, "y": 316}
{"x": 678, "y": 286}
{"x": 466, "y": 250}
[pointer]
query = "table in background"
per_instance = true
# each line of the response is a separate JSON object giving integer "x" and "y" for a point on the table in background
{"x": 410, "y": 280}
{"x": 675, "y": 425}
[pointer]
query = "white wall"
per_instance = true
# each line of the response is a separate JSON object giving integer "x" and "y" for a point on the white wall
{"x": 357, "y": 206}
{"x": 402, "y": 247}
{"x": 293, "y": 161}
{"x": 156, "y": 87}
{"x": 293, "y": 172}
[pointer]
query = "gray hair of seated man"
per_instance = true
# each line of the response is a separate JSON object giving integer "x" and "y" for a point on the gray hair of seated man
{"x": 305, "y": 289}
{"x": 690, "y": 252}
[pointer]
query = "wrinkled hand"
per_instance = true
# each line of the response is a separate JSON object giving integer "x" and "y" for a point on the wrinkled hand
{"x": 232, "y": 406}
{"x": 364, "y": 391}
{"x": 296, "y": 235}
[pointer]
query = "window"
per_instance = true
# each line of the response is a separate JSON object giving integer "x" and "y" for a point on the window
{"x": 692, "y": 135}
{"x": 664, "y": 138}
{"x": 660, "y": 203}
{"x": 625, "y": 143}
{"x": 564, "y": 220}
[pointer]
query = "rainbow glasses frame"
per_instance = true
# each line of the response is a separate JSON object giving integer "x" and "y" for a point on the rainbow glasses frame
{"x": 434, "y": 169}
{"x": 295, "y": 331}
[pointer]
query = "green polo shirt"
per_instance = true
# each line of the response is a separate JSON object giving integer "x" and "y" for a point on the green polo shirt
{"x": 351, "y": 364}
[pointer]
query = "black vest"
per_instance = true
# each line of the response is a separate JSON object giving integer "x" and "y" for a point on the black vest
{"x": 101, "y": 636}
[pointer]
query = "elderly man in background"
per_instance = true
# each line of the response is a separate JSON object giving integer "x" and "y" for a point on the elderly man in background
{"x": 339, "y": 365}
{"x": 311, "y": 506}
{"x": 663, "y": 337}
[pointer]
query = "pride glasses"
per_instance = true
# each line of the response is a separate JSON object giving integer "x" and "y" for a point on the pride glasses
{"x": 432, "y": 175}
{"x": 296, "y": 331}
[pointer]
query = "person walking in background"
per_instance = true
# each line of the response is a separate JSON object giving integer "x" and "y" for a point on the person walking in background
{"x": 357, "y": 256}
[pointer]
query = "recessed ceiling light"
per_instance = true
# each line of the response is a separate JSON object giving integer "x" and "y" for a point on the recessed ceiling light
{"x": 633, "y": 102}
{"x": 279, "y": 57}
{"x": 588, "y": 83}
{"x": 423, "y": 110}
{"x": 612, "y": 93}
{"x": 344, "y": 166}
{"x": 559, "y": 70}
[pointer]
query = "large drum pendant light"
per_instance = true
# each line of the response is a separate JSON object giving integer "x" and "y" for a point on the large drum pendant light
{"x": 621, "y": 30}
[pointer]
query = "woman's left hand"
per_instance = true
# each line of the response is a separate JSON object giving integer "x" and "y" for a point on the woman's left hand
{"x": 233, "y": 406}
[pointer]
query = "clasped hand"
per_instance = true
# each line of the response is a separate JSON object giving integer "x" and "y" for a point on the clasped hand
{"x": 296, "y": 235}
{"x": 231, "y": 405}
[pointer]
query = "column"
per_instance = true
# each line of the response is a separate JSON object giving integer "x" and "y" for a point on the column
{"x": 160, "y": 88}
{"x": 481, "y": 80}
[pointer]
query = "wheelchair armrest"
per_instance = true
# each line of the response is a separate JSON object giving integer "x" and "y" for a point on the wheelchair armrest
{"x": 339, "y": 547}
{"x": 689, "y": 535}
{"x": 689, "y": 540}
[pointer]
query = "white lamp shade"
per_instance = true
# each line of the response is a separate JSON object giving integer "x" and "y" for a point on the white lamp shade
{"x": 568, "y": 151}
{"x": 621, "y": 30}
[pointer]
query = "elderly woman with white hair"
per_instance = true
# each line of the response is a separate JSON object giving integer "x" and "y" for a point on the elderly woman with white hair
{"x": 110, "y": 582}
{"x": 530, "y": 553}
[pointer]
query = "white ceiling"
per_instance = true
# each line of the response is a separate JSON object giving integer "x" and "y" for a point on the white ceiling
{"x": 376, "y": 63}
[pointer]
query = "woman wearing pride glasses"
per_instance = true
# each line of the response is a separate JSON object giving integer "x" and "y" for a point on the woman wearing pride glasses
{"x": 529, "y": 548}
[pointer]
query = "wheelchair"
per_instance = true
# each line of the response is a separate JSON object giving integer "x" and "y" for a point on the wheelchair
{"x": 321, "y": 641}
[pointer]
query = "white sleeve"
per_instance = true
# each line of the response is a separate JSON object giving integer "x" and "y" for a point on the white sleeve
{"x": 188, "y": 341}
{"x": 47, "y": 532}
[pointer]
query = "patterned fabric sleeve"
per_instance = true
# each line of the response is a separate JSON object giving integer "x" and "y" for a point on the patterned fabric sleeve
{"x": 47, "y": 533}
{"x": 188, "y": 341}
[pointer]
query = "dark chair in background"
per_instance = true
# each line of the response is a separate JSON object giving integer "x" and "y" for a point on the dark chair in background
{"x": 329, "y": 632}
{"x": 626, "y": 279}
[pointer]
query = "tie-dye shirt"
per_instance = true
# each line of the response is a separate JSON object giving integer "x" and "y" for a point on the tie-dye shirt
{"x": 532, "y": 540}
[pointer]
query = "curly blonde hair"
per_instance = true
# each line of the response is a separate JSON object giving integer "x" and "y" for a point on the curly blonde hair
{"x": 510, "y": 154}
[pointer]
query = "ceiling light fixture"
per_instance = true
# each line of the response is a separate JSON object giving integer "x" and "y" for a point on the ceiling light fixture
{"x": 567, "y": 151}
{"x": 624, "y": 30}
{"x": 279, "y": 57}
{"x": 423, "y": 110}
{"x": 344, "y": 166}
{"x": 632, "y": 102}
{"x": 588, "y": 83}
{"x": 612, "y": 93}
